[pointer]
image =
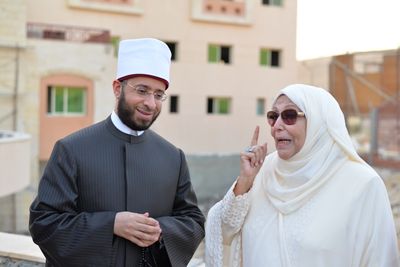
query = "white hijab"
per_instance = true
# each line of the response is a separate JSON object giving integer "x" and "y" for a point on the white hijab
{"x": 291, "y": 183}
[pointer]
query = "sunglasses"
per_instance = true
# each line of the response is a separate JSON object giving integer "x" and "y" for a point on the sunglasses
{"x": 288, "y": 116}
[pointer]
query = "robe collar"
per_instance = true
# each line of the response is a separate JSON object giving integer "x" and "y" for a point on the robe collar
{"x": 122, "y": 127}
{"x": 124, "y": 136}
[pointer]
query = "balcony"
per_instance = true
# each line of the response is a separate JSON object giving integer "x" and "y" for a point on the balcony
{"x": 224, "y": 7}
{"x": 222, "y": 11}
{"x": 19, "y": 250}
{"x": 14, "y": 162}
{"x": 131, "y": 7}
{"x": 67, "y": 33}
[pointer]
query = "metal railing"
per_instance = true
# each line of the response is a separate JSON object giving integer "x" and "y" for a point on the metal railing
{"x": 67, "y": 33}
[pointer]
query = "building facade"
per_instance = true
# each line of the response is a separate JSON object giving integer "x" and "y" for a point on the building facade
{"x": 367, "y": 87}
{"x": 229, "y": 60}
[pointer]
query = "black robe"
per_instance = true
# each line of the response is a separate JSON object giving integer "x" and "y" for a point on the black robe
{"x": 99, "y": 171}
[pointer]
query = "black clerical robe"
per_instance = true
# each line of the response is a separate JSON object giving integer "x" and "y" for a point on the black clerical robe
{"x": 99, "y": 171}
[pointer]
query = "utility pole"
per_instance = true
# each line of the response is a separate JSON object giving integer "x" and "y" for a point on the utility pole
{"x": 398, "y": 98}
{"x": 16, "y": 84}
{"x": 15, "y": 126}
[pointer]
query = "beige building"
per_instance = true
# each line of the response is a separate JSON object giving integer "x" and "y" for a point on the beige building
{"x": 229, "y": 60}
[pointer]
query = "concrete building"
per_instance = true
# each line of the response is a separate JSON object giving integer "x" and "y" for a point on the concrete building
{"x": 59, "y": 61}
{"x": 367, "y": 87}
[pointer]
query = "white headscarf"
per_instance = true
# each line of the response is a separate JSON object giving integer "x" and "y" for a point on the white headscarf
{"x": 290, "y": 183}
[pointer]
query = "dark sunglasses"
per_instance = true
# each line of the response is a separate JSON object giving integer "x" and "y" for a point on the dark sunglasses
{"x": 289, "y": 116}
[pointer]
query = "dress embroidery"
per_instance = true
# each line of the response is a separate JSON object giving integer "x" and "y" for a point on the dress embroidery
{"x": 230, "y": 211}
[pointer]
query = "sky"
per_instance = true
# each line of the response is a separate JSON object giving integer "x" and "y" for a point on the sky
{"x": 332, "y": 27}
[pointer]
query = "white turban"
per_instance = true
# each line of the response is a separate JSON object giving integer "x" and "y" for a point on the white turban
{"x": 147, "y": 57}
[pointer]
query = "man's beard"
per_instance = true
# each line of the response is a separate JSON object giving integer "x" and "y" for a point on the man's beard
{"x": 126, "y": 115}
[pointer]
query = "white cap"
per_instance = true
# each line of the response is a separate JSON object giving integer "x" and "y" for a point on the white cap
{"x": 147, "y": 56}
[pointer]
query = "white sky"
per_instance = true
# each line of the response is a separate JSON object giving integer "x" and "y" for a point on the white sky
{"x": 329, "y": 27}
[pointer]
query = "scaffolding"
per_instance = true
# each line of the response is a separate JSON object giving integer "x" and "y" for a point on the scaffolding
{"x": 383, "y": 116}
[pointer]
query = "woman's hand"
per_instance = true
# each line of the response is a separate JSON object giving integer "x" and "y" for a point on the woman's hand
{"x": 251, "y": 161}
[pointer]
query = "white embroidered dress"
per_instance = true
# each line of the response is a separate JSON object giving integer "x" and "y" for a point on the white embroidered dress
{"x": 323, "y": 207}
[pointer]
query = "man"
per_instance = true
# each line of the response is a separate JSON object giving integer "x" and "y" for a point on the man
{"x": 116, "y": 193}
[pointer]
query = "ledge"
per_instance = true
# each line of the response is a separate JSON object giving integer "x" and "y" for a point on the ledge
{"x": 20, "y": 247}
{"x": 14, "y": 162}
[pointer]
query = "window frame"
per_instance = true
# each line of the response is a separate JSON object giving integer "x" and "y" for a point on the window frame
{"x": 173, "y": 103}
{"x": 219, "y": 53}
{"x": 260, "y": 106}
{"x": 215, "y": 105}
{"x": 270, "y": 57}
{"x": 272, "y": 2}
{"x": 52, "y": 100}
{"x": 173, "y": 47}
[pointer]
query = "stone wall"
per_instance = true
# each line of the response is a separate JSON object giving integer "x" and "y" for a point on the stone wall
{"x": 11, "y": 262}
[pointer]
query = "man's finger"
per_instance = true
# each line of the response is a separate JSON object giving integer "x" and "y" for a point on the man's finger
{"x": 254, "y": 140}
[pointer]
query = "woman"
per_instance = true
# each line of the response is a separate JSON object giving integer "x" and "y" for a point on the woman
{"x": 313, "y": 202}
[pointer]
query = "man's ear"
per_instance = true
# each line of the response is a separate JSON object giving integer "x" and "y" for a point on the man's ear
{"x": 117, "y": 88}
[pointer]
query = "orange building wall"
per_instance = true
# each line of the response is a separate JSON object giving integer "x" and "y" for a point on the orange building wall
{"x": 391, "y": 73}
{"x": 338, "y": 82}
{"x": 53, "y": 128}
{"x": 366, "y": 98}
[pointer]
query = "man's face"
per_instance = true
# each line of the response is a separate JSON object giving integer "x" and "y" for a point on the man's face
{"x": 138, "y": 111}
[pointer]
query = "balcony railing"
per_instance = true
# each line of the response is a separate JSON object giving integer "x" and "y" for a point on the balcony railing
{"x": 67, "y": 33}
{"x": 237, "y": 12}
{"x": 224, "y": 7}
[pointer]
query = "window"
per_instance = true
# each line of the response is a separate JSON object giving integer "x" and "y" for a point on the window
{"x": 218, "y": 53}
{"x": 173, "y": 47}
{"x": 260, "y": 106}
{"x": 115, "y": 44}
{"x": 218, "y": 105}
{"x": 62, "y": 100}
{"x": 272, "y": 2}
{"x": 367, "y": 67}
{"x": 270, "y": 57}
{"x": 173, "y": 104}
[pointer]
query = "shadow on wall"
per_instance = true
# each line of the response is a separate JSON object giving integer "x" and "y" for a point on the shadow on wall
{"x": 212, "y": 176}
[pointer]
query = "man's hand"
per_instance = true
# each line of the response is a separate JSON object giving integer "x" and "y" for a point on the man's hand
{"x": 137, "y": 228}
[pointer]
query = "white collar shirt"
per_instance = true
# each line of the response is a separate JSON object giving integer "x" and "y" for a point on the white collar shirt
{"x": 122, "y": 127}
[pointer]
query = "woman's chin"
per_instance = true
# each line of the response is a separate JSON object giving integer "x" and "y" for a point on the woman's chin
{"x": 284, "y": 154}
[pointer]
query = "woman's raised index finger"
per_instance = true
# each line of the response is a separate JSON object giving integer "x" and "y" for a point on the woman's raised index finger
{"x": 254, "y": 140}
